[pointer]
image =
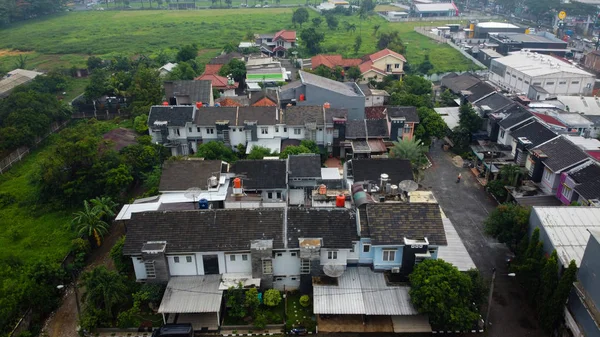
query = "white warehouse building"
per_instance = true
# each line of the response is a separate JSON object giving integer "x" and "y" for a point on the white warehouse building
{"x": 540, "y": 76}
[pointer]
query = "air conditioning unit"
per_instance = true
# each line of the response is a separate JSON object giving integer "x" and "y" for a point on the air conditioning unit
{"x": 396, "y": 270}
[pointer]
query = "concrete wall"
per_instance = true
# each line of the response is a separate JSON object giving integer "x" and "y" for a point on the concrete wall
{"x": 286, "y": 263}
{"x": 182, "y": 265}
{"x": 589, "y": 270}
{"x": 342, "y": 256}
{"x": 262, "y": 250}
{"x": 365, "y": 257}
{"x": 139, "y": 268}
{"x": 238, "y": 263}
{"x": 160, "y": 266}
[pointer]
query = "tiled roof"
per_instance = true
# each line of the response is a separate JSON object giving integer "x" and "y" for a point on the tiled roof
{"x": 197, "y": 91}
{"x": 302, "y": 114}
{"x": 204, "y": 230}
{"x": 179, "y": 175}
{"x": 270, "y": 95}
{"x": 391, "y": 223}
{"x": 515, "y": 118}
{"x": 338, "y": 113}
{"x": 212, "y": 69}
{"x": 208, "y": 116}
{"x": 304, "y": 166}
{"x": 356, "y": 129}
{"x": 261, "y": 174}
{"x": 385, "y": 52}
{"x": 225, "y": 58}
{"x": 480, "y": 90}
{"x": 586, "y": 174}
{"x": 589, "y": 190}
{"x": 375, "y": 112}
{"x": 365, "y": 67}
{"x": 408, "y": 112}
{"x": 262, "y": 115}
{"x": 377, "y": 128}
{"x": 228, "y": 102}
{"x": 218, "y": 82}
{"x": 549, "y": 119}
{"x": 535, "y": 132}
{"x": 265, "y": 101}
{"x": 288, "y": 35}
{"x": 173, "y": 115}
{"x": 458, "y": 83}
{"x": 331, "y": 61}
{"x": 495, "y": 102}
{"x": 370, "y": 169}
{"x": 336, "y": 226}
{"x": 561, "y": 154}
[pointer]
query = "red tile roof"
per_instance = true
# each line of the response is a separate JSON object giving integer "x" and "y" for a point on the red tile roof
{"x": 212, "y": 69}
{"x": 549, "y": 119}
{"x": 331, "y": 61}
{"x": 385, "y": 52}
{"x": 264, "y": 102}
{"x": 288, "y": 35}
{"x": 218, "y": 82}
{"x": 369, "y": 66}
{"x": 229, "y": 102}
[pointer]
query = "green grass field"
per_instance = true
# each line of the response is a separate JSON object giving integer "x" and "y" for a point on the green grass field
{"x": 67, "y": 39}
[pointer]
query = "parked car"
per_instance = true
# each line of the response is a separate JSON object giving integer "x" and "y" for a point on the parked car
{"x": 174, "y": 330}
{"x": 258, "y": 6}
{"x": 299, "y": 331}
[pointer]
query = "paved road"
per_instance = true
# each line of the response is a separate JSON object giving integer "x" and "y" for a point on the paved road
{"x": 468, "y": 205}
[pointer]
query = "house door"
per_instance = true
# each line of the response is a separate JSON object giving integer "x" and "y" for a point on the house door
{"x": 211, "y": 264}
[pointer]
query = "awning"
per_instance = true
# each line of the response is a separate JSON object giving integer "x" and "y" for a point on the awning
{"x": 273, "y": 144}
{"x": 192, "y": 294}
{"x": 368, "y": 146}
{"x": 253, "y": 87}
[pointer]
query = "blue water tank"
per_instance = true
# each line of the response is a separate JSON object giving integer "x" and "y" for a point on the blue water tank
{"x": 203, "y": 204}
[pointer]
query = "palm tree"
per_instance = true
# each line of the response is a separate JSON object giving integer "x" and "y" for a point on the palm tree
{"x": 21, "y": 61}
{"x": 89, "y": 222}
{"x": 105, "y": 206}
{"x": 511, "y": 173}
{"x": 103, "y": 289}
{"x": 412, "y": 150}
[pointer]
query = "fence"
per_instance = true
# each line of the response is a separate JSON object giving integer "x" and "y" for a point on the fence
{"x": 20, "y": 153}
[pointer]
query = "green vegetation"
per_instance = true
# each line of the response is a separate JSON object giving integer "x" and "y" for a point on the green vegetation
{"x": 508, "y": 223}
{"x": 75, "y": 35}
{"x": 299, "y": 314}
{"x": 243, "y": 307}
{"x": 413, "y": 150}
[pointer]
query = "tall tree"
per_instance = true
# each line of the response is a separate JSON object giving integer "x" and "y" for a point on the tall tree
{"x": 104, "y": 289}
{"x": 146, "y": 90}
{"x": 392, "y": 41}
{"x": 332, "y": 21}
{"x": 187, "y": 52}
{"x": 183, "y": 71}
{"x": 300, "y": 16}
{"x": 560, "y": 296}
{"x": 236, "y": 68}
{"x": 88, "y": 222}
{"x": 312, "y": 39}
{"x": 549, "y": 282}
{"x": 430, "y": 125}
{"x": 105, "y": 206}
{"x": 317, "y": 21}
{"x": 354, "y": 73}
{"x": 508, "y": 223}
{"x": 376, "y": 29}
{"x": 468, "y": 119}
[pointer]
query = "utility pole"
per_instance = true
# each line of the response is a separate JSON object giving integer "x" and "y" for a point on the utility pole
{"x": 487, "y": 315}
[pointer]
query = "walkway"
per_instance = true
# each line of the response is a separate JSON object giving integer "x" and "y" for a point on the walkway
{"x": 468, "y": 205}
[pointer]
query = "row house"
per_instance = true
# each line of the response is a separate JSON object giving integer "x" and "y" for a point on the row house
{"x": 581, "y": 185}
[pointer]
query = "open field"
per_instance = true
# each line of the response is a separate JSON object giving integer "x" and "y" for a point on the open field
{"x": 66, "y": 39}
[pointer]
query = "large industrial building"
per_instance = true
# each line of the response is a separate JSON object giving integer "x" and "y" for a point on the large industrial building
{"x": 482, "y": 29}
{"x": 540, "y": 76}
{"x": 422, "y": 10}
{"x": 542, "y": 43}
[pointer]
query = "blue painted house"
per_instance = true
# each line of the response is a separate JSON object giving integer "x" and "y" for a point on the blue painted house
{"x": 396, "y": 236}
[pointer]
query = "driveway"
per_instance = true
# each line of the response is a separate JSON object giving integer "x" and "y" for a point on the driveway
{"x": 468, "y": 205}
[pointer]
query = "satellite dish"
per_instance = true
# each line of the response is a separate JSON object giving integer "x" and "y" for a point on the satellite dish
{"x": 192, "y": 193}
{"x": 333, "y": 270}
{"x": 408, "y": 185}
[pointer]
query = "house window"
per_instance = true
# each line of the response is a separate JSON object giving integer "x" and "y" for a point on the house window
{"x": 188, "y": 259}
{"x": 264, "y": 131}
{"x": 210, "y": 131}
{"x": 575, "y": 82}
{"x": 305, "y": 266}
{"x": 284, "y": 129}
{"x": 278, "y": 195}
{"x": 190, "y": 129}
{"x": 232, "y": 258}
{"x": 520, "y": 79}
{"x": 526, "y": 82}
{"x": 270, "y": 195}
{"x": 514, "y": 76}
{"x": 431, "y": 251}
{"x": 198, "y": 129}
{"x": 389, "y": 255}
{"x": 244, "y": 257}
{"x": 293, "y": 254}
{"x": 276, "y": 129}
{"x": 177, "y": 132}
{"x": 150, "y": 270}
{"x": 567, "y": 192}
{"x": 502, "y": 133}
{"x": 297, "y": 131}
{"x": 507, "y": 73}
{"x": 279, "y": 254}
{"x": 397, "y": 65}
{"x": 176, "y": 259}
{"x": 267, "y": 266}
{"x": 537, "y": 83}
{"x": 547, "y": 174}
{"x": 366, "y": 248}
{"x": 549, "y": 83}
{"x": 332, "y": 255}
{"x": 562, "y": 82}
{"x": 336, "y": 133}
{"x": 406, "y": 128}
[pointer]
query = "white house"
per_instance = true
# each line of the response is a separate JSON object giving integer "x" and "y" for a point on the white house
{"x": 166, "y": 69}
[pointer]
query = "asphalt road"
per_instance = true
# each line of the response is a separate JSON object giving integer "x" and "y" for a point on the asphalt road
{"x": 468, "y": 205}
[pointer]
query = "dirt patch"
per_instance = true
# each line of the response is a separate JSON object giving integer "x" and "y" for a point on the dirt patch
{"x": 121, "y": 137}
{"x": 11, "y": 52}
{"x": 458, "y": 161}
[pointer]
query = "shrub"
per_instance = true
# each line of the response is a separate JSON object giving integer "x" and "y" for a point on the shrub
{"x": 272, "y": 297}
{"x": 260, "y": 320}
{"x": 122, "y": 263}
{"x": 305, "y": 300}
{"x": 496, "y": 188}
{"x": 80, "y": 245}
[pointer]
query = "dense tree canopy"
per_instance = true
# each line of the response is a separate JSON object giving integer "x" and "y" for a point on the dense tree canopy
{"x": 187, "y": 52}
{"x": 312, "y": 39}
{"x": 508, "y": 223}
{"x": 236, "y": 68}
{"x": 468, "y": 119}
{"x": 300, "y": 16}
{"x": 15, "y": 10}
{"x": 430, "y": 125}
{"x": 215, "y": 150}
{"x": 392, "y": 41}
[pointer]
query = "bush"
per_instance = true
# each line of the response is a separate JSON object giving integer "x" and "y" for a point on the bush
{"x": 260, "y": 320}
{"x": 122, "y": 263}
{"x": 272, "y": 297}
{"x": 80, "y": 245}
{"x": 496, "y": 188}
{"x": 305, "y": 300}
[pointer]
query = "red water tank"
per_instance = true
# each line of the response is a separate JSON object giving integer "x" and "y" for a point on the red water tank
{"x": 302, "y": 97}
{"x": 340, "y": 201}
{"x": 198, "y": 105}
{"x": 327, "y": 105}
{"x": 165, "y": 103}
{"x": 237, "y": 183}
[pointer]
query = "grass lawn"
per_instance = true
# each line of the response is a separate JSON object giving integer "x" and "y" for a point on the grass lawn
{"x": 274, "y": 316}
{"x": 75, "y": 88}
{"x": 297, "y": 315}
{"x": 66, "y": 39}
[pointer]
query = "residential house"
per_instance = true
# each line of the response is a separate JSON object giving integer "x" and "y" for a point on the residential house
{"x": 528, "y": 137}
{"x": 365, "y": 138}
{"x": 166, "y": 69}
{"x": 478, "y": 91}
{"x": 514, "y": 117}
{"x": 225, "y": 85}
{"x": 547, "y": 161}
{"x": 375, "y": 66}
{"x": 492, "y": 104}
{"x": 592, "y": 61}
{"x": 402, "y": 121}
{"x": 265, "y": 70}
{"x": 369, "y": 171}
{"x": 263, "y": 183}
{"x": 324, "y": 126}
{"x": 316, "y": 90}
{"x": 189, "y": 92}
{"x": 304, "y": 173}
{"x": 169, "y": 125}
{"x": 277, "y": 44}
{"x": 550, "y": 121}
{"x": 264, "y": 98}
{"x": 584, "y": 301}
{"x": 581, "y": 185}
{"x": 15, "y": 78}
{"x": 374, "y": 97}
{"x": 458, "y": 83}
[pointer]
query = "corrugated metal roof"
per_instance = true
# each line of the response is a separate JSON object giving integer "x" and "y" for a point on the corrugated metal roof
{"x": 192, "y": 294}
{"x": 362, "y": 291}
{"x": 567, "y": 228}
{"x": 455, "y": 252}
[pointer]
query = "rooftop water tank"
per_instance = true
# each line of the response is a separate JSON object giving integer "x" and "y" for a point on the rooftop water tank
{"x": 340, "y": 201}
{"x": 203, "y": 204}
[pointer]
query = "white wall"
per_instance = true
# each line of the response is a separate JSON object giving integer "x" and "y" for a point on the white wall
{"x": 200, "y": 263}
{"x": 353, "y": 253}
{"x": 237, "y": 135}
{"x": 292, "y": 135}
{"x": 183, "y": 267}
{"x": 506, "y": 139}
{"x": 562, "y": 83}
{"x": 286, "y": 263}
{"x": 342, "y": 256}
{"x": 374, "y": 100}
{"x": 139, "y": 268}
{"x": 286, "y": 283}
{"x": 238, "y": 264}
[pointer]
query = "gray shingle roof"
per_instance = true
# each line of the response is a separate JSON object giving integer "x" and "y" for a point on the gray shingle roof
{"x": 263, "y": 115}
{"x": 371, "y": 169}
{"x": 495, "y": 101}
{"x": 561, "y": 154}
{"x": 225, "y": 58}
{"x": 348, "y": 89}
{"x": 173, "y": 115}
{"x": 535, "y": 132}
{"x": 390, "y": 223}
{"x": 198, "y": 91}
{"x": 377, "y": 128}
{"x": 179, "y": 175}
{"x": 408, "y": 112}
{"x": 479, "y": 91}
{"x": 458, "y": 83}
{"x": 301, "y": 114}
{"x": 588, "y": 180}
{"x": 355, "y": 129}
{"x": 204, "y": 230}
{"x": 261, "y": 174}
{"x": 208, "y": 116}
{"x": 237, "y": 116}
{"x": 589, "y": 190}
{"x": 304, "y": 166}
{"x": 517, "y": 116}
{"x": 336, "y": 226}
